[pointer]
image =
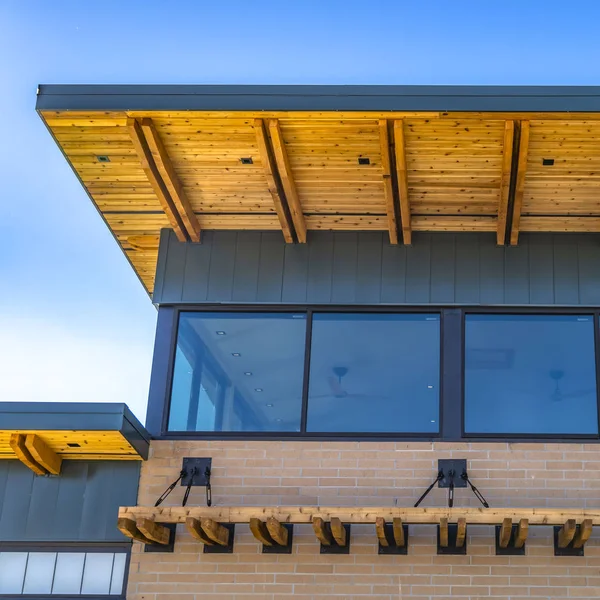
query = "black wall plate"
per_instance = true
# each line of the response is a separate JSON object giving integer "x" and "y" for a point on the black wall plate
{"x": 276, "y": 548}
{"x": 451, "y": 547}
{"x": 510, "y": 550}
{"x": 334, "y": 548}
{"x": 392, "y": 548}
{"x": 200, "y": 464}
{"x": 458, "y": 465}
{"x": 217, "y": 548}
{"x": 164, "y": 547}
{"x": 569, "y": 550}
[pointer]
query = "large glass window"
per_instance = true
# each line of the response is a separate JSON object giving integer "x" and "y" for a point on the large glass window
{"x": 238, "y": 372}
{"x": 374, "y": 373}
{"x": 530, "y": 374}
{"x": 62, "y": 573}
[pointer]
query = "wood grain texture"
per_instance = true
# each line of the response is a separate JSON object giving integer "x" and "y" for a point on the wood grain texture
{"x": 520, "y": 185}
{"x": 43, "y": 454}
{"x": 388, "y": 190}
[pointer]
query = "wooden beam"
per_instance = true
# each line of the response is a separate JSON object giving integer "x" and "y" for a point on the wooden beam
{"x": 321, "y": 532}
{"x": 194, "y": 526}
{"x": 522, "y": 532}
{"x": 128, "y": 527}
{"x": 171, "y": 180}
{"x": 270, "y": 170}
{"x": 338, "y": 531}
{"x": 277, "y": 531}
{"x": 17, "y": 443}
{"x": 461, "y": 532}
{"x": 583, "y": 534}
{"x": 402, "y": 176}
{"x": 520, "y": 183}
{"x": 43, "y": 454}
{"x": 149, "y": 167}
{"x": 260, "y": 532}
{"x": 153, "y": 531}
{"x": 287, "y": 180}
{"x": 380, "y": 531}
{"x": 215, "y": 532}
{"x": 444, "y": 532}
{"x": 388, "y": 188}
{"x": 505, "y": 533}
{"x": 507, "y": 154}
{"x": 567, "y": 533}
{"x": 398, "y": 529}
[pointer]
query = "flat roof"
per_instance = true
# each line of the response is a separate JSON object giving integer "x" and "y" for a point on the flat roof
{"x": 401, "y": 159}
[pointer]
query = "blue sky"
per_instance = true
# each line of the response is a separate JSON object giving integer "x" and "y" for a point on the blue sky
{"x": 75, "y": 323}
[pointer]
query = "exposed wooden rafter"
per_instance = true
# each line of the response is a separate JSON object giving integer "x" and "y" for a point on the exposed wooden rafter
{"x": 273, "y": 182}
{"x": 520, "y": 181}
{"x": 33, "y": 452}
{"x": 402, "y": 176}
{"x": 507, "y": 156}
{"x": 388, "y": 188}
{"x": 287, "y": 180}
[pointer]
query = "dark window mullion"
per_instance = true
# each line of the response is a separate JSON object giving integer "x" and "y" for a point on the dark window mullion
{"x": 305, "y": 382}
{"x": 451, "y": 401}
{"x": 597, "y": 363}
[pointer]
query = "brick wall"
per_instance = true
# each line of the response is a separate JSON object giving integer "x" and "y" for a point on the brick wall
{"x": 371, "y": 474}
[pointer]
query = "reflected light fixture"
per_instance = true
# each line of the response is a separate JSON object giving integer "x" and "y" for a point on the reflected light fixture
{"x": 258, "y": 389}
{"x": 220, "y": 333}
{"x": 248, "y": 373}
{"x": 236, "y": 354}
{"x": 269, "y": 405}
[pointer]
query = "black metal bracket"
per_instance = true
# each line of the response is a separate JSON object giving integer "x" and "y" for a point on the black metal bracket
{"x": 510, "y": 549}
{"x": 451, "y": 548}
{"x": 170, "y": 547}
{"x": 334, "y": 547}
{"x": 217, "y": 548}
{"x": 392, "y": 547}
{"x": 568, "y": 550}
{"x": 194, "y": 472}
{"x": 278, "y": 548}
{"x": 452, "y": 470}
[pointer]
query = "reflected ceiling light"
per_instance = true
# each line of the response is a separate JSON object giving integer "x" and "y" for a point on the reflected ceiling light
{"x": 236, "y": 354}
{"x": 220, "y": 333}
{"x": 269, "y": 405}
{"x": 248, "y": 373}
{"x": 432, "y": 421}
{"x": 258, "y": 389}
{"x": 279, "y": 420}
{"x": 429, "y": 387}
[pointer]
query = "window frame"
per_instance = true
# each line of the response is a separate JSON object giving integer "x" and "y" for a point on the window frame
{"x": 452, "y": 373}
{"x": 59, "y": 547}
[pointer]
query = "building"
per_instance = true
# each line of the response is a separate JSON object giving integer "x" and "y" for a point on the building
{"x": 366, "y": 295}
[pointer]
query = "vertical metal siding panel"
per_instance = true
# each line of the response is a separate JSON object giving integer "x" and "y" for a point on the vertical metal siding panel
{"x": 492, "y": 266}
{"x": 174, "y": 270}
{"x": 368, "y": 267}
{"x": 418, "y": 270}
{"x": 69, "y": 503}
{"x": 222, "y": 265}
{"x": 320, "y": 267}
{"x": 541, "y": 269}
{"x": 161, "y": 265}
{"x": 125, "y": 476}
{"x": 589, "y": 270}
{"x": 295, "y": 273}
{"x": 270, "y": 270}
{"x": 516, "y": 271}
{"x": 44, "y": 497}
{"x": 566, "y": 269}
{"x": 443, "y": 264}
{"x": 393, "y": 274}
{"x": 197, "y": 268}
{"x": 467, "y": 275}
{"x": 96, "y": 506}
{"x": 344, "y": 267}
{"x": 17, "y": 499}
{"x": 247, "y": 259}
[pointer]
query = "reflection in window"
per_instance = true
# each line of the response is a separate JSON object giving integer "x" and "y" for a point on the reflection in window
{"x": 238, "y": 372}
{"x": 530, "y": 374}
{"x": 374, "y": 373}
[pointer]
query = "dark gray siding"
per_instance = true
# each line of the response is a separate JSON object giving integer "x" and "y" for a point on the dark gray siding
{"x": 79, "y": 506}
{"x": 363, "y": 268}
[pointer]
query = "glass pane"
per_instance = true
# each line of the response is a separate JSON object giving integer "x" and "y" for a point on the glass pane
{"x": 530, "y": 374}
{"x": 68, "y": 573}
{"x": 97, "y": 573}
{"x": 374, "y": 373}
{"x": 238, "y": 372}
{"x": 118, "y": 574}
{"x": 39, "y": 573}
{"x": 12, "y": 572}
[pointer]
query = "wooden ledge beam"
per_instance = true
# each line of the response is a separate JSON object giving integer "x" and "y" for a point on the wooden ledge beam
{"x": 154, "y": 532}
{"x": 402, "y": 177}
{"x": 17, "y": 443}
{"x": 388, "y": 188}
{"x": 520, "y": 182}
{"x": 287, "y": 180}
{"x": 444, "y": 532}
{"x": 338, "y": 531}
{"x": 194, "y": 527}
{"x": 505, "y": 533}
{"x": 583, "y": 533}
{"x": 398, "y": 528}
{"x": 567, "y": 533}
{"x": 398, "y": 532}
{"x": 260, "y": 532}
{"x": 129, "y": 528}
{"x": 522, "y": 532}
{"x": 380, "y": 531}
{"x": 507, "y": 156}
{"x": 322, "y": 532}
{"x": 461, "y": 532}
{"x": 215, "y": 532}
{"x": 277, "y": 531}
{"x": 150, "y": 169}
{"x": 43, "y": 454}
{"x": 270, "y": 170}
{"x": 171, "y": 180}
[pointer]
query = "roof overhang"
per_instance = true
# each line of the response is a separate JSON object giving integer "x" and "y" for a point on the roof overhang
{"x": 402, "y": 159}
